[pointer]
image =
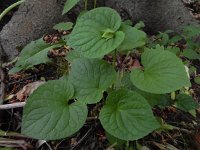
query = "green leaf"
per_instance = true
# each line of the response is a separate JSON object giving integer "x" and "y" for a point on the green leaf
{"x": 157, "y": 47}
{"x": 175, "y": 50}
{"x": 191, "y": 31}
{"x": 65, "y": 38}
{"x": 48, "y": 115}
{"x": 192, "y": 70}
{"x": 160, "y": 100}
{"x": 6, "y": 148}
{"x": 139, "y": 25}
{"x": 72, "y": 55}
{"x": 14, "y": 70}
{"x": 192, "y": 44}
{"x": 126, "y": 82}
{"x": 163, "y": 72}
{"x": 127, "y": 115}
{"x": 156, "y": 99}
{"x": 108, "y": 34}
{"x": 165, "y": 38}
{"x": 186, "y": 102}
{"x": 96, "y": 33}
{"x": 35, "y": 53}
{"x": 128, "y": 22}
{"x": 82, "y": 12}
{"x": 193, "y": 113}
{"x": 175, "y": 39}
{"x": 63, "y": 26}
{"x": 69, "y": 4}
{"x": 2, "y": 133}
{"x": 190, "y": 54}
{"x": 91, "y": 77}
{"x": 197, "y": 80}
{"x": 133, "y": 38}
{"x": 113, "y": 140}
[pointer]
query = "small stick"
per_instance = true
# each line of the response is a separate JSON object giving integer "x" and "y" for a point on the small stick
{"x": 183, "y": 130}
{"x": 7, "y": 141}
{"x": 13, "y": 105}
{"x": 95, "y": 3}
{"x": 92, "y": 118}
{"x": 81, "y": 140}
{"x": 111, "y": 146}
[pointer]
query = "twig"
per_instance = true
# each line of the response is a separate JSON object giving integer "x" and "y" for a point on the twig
{"x": 15, "y": 143}
{"x": 86, "y": 4}
{"x": 95, "y": 3}
{"x": 6, "y": 141}
{"x": 13, "y": 105}
{"x": 111, "y": 146}
{"x": 81, "y": 140}
{"x": 183, "y": 130}
{"x": 92, "y": 118}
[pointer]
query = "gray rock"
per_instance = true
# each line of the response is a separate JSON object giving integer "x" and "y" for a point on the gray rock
{"x": 158, "y": 15}
{"x": 33, "y": 19}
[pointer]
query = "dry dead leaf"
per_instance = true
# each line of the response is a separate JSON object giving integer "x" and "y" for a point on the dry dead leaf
{"x": 197, "y": 16}
{"x": 136, "y": 64}
{"x": 73, "y": 141}
{"x": 28, "y": 90}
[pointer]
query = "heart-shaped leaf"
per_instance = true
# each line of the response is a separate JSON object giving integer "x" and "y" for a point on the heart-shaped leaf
{"x": 48, "y": 114}
{"x": 91, "y": 77}
{"x": 133, "y": 38}
{"x": 163, "y": 72}
{"x": 127, "y": 115}
{"x": 96, "y": 33}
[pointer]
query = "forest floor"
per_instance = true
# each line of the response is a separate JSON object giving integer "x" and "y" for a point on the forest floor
{"x": 185, "y": 135}
{"x": 18, "y": 86}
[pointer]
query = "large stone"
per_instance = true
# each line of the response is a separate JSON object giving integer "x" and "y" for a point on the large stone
{"x": 158, "y": 15}
{"x": 33, "y": 19}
